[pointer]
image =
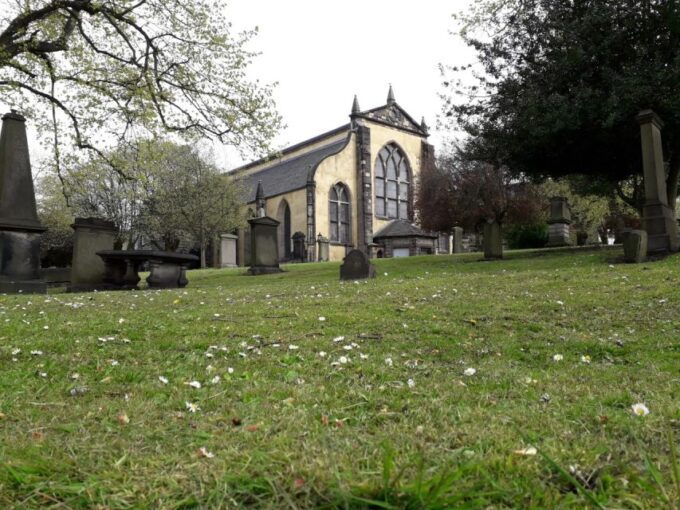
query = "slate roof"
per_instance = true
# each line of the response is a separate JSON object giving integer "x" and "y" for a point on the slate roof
{"x": 288, "y": 175}
{"x": 401, "y": 228}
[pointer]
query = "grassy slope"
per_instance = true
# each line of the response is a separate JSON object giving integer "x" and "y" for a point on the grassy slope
{"x": 312, "y": 434}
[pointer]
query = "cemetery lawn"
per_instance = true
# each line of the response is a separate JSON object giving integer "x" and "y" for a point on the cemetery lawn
{"x": 321, "y": 394}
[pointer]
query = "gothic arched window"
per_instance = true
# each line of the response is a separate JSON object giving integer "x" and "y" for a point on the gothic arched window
{"x": 339, "y": 214}
{"x": 392, "y": 182}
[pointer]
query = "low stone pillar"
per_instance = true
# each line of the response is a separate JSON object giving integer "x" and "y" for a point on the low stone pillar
{"x": 558, "y": 224}
{"x": 20, "y": 229}
{"x": 658, "y": 218}
{"x": 228, "y": 246}
{"x": 299, "y": 246}
{"x": 493, "y": 242}
{"x": 635, "y": 246}
{"x": 87, "y": 268}
{"x": 264, "y": 246}
{"x": 324, "y": 248}
{"x": 457, "y": 240}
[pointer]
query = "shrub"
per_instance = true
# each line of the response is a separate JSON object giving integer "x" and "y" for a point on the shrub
{"x": 527, "y": 236}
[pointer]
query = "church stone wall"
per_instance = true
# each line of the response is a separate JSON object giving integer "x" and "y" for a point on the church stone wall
{"x": 297, "y": 201}
{"x": 340, "y": 167}
{"x": 411, "y": 144}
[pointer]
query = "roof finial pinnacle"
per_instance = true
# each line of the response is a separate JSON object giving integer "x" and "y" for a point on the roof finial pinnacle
{"x": 390, "y": 96}
{"x": 355, "y": 105}
{"x": 259, "y": 194}
{"x": 423, "y": 125}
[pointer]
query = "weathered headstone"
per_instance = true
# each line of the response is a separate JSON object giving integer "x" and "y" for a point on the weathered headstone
{"x": 493, "y": 242}
{"x": 635, "y": 246}
{"x": 264, "y": 246}
{"x": 324, "y": 248}
{"x": 299, "y": 249}
{"x": 87, "y": 268}
{"x": 558, "y": 223}
{"x": 658, "y": 218}
{"x": 228, "y": 250}
{"x": 356, "y": 266}
{"x": 20, "y": 229}
{"x": 457, "y": 240}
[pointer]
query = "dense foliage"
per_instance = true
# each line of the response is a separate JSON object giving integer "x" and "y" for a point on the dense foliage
{"x": 560, "y": 83}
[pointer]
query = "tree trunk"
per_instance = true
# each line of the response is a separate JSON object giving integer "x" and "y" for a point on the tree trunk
{"x": 203, "y": 248}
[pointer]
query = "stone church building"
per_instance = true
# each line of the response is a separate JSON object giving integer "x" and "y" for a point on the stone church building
{"x": 353, "y": 186}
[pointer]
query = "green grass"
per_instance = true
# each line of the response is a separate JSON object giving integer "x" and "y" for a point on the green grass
{"x": 290, "y": 430}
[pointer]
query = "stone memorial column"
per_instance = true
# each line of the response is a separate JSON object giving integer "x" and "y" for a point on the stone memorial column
{"x": 228, "y": 245}
{"x": 558, "y": 225}
{"x": 324, "y": 248}
{"x": 493, "y": 242}
{"x": 457, "y": 240}
{"x": 20, "y": 230}
{"x": 264, "y": 246}
{"x": 87, "y": 268}
{"x": 658, "y": 218}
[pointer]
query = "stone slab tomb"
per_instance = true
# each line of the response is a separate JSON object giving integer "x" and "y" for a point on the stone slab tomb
{"x": 264, "y": 246}
{"x": 356, "y": 266}
{"x": 20, "y": 230}
{"x": 168, "y": 269}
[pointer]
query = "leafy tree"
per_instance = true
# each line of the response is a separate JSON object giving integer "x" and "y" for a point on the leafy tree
{"x": 57, "y": 242}
{"x": 466, "y": 193}
{"x": 98, "y": 73}
{"x": 560, "y": 83}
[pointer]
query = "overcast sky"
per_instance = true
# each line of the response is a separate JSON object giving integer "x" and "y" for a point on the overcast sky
{"x": 322, "y": 53}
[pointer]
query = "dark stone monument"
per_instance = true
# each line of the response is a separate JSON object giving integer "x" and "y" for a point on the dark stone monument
{"x": 299, "y": 247}
{"x": 20, "y": 229}
{"x": 457, "y": 240}
{"x": 493, "y": 242}
{"x": 635, "y": 246}
{"x": 356, "y": 266}
{"x": 558, "y": 224}
{"x": 264, "y": 246}
{"x": 88, "y": 268}
{"x": 658, "y": 216}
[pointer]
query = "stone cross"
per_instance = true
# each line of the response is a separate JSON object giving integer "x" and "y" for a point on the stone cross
{"x": 658, "y": 218}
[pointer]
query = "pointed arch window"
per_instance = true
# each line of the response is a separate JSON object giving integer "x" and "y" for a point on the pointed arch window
{"x": 339, "y": 214}
{"x": 392, "y": 184}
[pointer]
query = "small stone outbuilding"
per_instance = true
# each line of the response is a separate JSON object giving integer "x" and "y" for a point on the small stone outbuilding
{"x": 401, "y": 238}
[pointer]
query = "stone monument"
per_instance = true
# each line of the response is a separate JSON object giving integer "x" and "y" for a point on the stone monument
{"x": 356, "y": 266}
{"x": 20, "y": 230}
{"x": 324, "y": 248}
{"x": 457, "y": 240}
{"x": 299, "y": 246}
{"x": 558, "y": 224}
{"x": 493, "y": 242}
{"x": 658, "y": 219}
{"x": 228, "y": 250}
{"x": 87, "y": 268}
{"x": 635, "y": 246}
{"x": 264, "y": 246}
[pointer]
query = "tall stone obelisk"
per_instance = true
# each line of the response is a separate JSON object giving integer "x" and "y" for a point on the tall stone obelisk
{"x": 20, "y": 229}
{"x": 658, "y": 216}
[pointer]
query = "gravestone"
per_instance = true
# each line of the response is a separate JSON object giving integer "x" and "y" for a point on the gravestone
{"x": 457, "y": 240}
{"x": 493, "y": 242}
{"x": 658, "y": 218}
{"x": 20, "y": 230}
{"x": 635, "y": 246}
{"x": 356, "y": 266}
{"x": 558, "y": 223}
{"x": 228, "y": 250}
{"x": 264, "y": 246}
{"x": 87, "y": 268}
{"x": 324, "y": 248}
{"x": 299, "y": 246}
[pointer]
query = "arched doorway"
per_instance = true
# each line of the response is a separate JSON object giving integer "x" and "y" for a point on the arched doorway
{"x": 285, "y": 233}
